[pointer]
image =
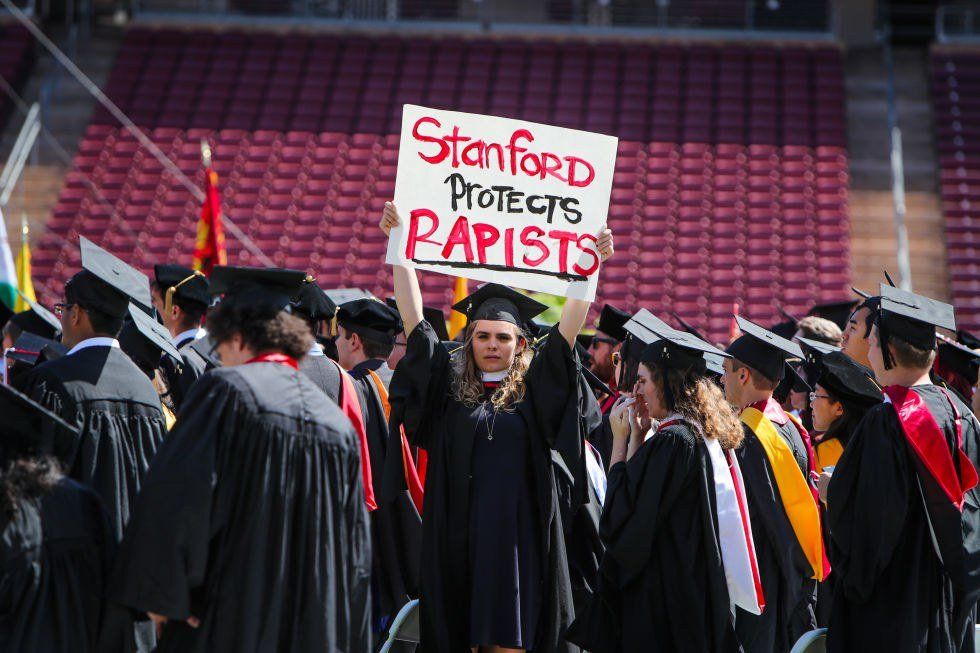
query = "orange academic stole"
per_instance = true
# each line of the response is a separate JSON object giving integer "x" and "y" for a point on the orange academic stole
{"x": 793, "y": 489}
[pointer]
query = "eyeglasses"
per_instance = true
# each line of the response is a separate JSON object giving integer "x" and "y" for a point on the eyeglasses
{"x": 59, "y": 309}
{"x": 597, "y": 339}
{"x": 814, "y": 396}
{"x": 616, "y": 358}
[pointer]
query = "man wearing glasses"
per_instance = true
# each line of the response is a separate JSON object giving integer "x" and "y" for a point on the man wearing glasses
{"x": 604, "y": 349}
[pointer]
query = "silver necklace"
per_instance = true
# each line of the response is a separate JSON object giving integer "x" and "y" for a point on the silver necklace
{"x": 490, "y": 423}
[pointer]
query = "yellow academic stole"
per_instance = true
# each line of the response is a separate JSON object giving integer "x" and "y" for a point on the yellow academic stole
{"x": 793, "y": 489}
{"x": 828, "y": 452}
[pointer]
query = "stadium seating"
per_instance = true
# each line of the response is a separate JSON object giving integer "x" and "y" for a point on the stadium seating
{"x": 956, "y": 95}
{"x": 731, "y": 182}
{"x": 16, "y": 60}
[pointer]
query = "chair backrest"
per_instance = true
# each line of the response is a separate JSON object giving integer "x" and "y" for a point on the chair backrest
{"x": 814, "y": 641}
{"x": 404, "y": 628}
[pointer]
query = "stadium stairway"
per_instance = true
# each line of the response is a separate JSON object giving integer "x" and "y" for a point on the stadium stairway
{"x": 873, "y": 239}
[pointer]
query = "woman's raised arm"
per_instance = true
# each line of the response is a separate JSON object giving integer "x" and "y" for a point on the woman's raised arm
{"x": 408, "y": 295}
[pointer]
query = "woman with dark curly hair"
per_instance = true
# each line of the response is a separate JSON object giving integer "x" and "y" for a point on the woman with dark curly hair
{"x": 679, "y": 553}
{"x": 56, "y": 543}
{"x": 250, "y": 531}
{"x": 492, "y": 417}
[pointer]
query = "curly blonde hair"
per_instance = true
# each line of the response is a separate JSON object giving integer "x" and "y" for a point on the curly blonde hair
{"x": 468, "y": 381}
{"x": 700, "y": 400}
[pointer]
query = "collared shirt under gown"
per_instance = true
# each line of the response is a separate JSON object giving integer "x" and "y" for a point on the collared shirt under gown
{"x": 252, "y": 519}
{"x": 422, "y": 400}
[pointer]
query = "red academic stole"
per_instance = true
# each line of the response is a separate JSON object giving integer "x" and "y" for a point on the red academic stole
{"x": 795, "y": 491}
{"x": 607, "y": 403}
{"x": 929, "y": 444}
{"x": 414, "y": 475}
{"x": 282, "y": 359}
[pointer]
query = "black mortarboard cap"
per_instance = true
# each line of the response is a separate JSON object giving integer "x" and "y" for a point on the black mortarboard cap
{"x": 837, "y": 312}
{"x": 370, "y": 319}
{"x": 269, "y": 289}
{"x": 313, "y": 303}
{"x": 611, "y": 321}
{"x": 37, "y": 320}
{"x": 685, "y": 326}
{"x": 493, "y": 301}
{"x": 106, "y": 283}
{"x": 763, "y": 350}
{"x": 679, "y": 350}
{"x": 343, "y": 295}
{"x": 188, "y": 285}
{"x": 967, "y": 339}
{"x": 31, "y": 429}
{"x": 29, "y": 347}
{"x": 434, "y": 316}
{"x": 912, "y": 318}
{"x": 816, "y": 348}
{"x": 860, "y": 293}
{"x": 847, "y": 381}
{"x": 153, "y": 332}
{"x": 205, "y": 347}
{"x": 585, "y": 341}
{"x": 960, "y": 359}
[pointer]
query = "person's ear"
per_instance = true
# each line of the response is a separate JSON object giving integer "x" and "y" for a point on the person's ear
{"x": 838, "y": 409}
{"x": 355, "y": 341}
{"x": 521, "y": 344}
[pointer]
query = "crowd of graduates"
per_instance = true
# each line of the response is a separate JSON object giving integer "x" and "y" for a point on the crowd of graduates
{"x": 249, "y": 462}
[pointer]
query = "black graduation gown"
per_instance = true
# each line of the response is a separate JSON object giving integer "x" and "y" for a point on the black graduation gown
{"x": 324, "y": 374}
{"x": 601, "y": 437}
{"x": 787, "y": 584}
{"x": 252, "y": 519}
{"x": 56, "y": 554}
{"x": 890, "y": 591}
{"x": 117, "y": 409}
{"x": 181, "y": 376}
{"x": 396, "y": 526}
{"x": 422, "y": 400}
{"x": 662, "y": 581}
{"x": 581, "y": 521}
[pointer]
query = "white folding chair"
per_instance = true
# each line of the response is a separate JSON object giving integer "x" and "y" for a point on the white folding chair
{"x": 405, "y": 627}
{"x": 814, "y": 641}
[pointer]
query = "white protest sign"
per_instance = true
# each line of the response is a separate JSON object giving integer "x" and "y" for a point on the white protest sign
{"x": 508, "y": 201}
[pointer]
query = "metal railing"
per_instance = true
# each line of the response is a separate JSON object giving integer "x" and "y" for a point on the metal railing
{"x": 809, "y": 17}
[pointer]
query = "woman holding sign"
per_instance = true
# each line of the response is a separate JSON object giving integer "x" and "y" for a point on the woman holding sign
{"x": 490, "y": 416}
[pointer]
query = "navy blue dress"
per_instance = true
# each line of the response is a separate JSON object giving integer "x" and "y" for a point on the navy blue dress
{"x": 505, "y": 555}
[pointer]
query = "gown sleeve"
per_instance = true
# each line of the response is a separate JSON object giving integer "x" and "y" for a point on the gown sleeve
{"x": 420, "y": 386}
{"x": 46, "y": 390}
{"x": 639, "y": 493}
{"x": 871, "y": 478}
{"x": 164, "y": 552}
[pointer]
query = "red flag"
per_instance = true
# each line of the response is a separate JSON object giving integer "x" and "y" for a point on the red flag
{"x": 733, "y": 330}
{"x": 209, "y": 249}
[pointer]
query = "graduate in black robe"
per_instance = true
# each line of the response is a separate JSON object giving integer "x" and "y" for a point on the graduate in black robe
{"x": 663, "y": 584}
{"x": 786, "y": 529}
{"x": 366, "y": 331}
{"x": 903, "y": 505}
{"x": 607, "y": 341}
{"x": 56, "y": 542}
{"x": 314, "y": 306}
{"x": 251, "y": 532}
{"x": 97, "y": 388}
{"x": 181, "y": 297}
